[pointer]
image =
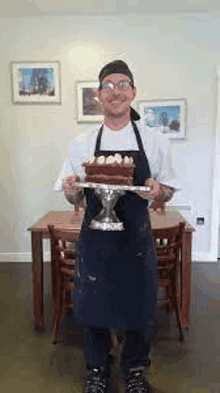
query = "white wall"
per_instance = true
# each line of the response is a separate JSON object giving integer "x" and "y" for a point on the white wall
{"x": 171, "y": 56}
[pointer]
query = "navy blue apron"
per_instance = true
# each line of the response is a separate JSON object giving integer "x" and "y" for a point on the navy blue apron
{"x": 116, "y": 274}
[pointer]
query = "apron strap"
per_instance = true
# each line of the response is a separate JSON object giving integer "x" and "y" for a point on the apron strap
{"x": 98, "y": 140}
{"x": 138, "y": 137}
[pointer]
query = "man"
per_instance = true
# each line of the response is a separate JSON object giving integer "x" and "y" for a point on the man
{"x": 116, "y": 277}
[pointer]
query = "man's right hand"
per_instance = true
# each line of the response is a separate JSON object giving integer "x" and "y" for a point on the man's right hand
{"x": 69, "y": 182}
{"x": 71, "y": 193}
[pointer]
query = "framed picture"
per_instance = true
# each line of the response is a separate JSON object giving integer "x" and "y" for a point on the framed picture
{"x": 88, "y": 107}
{"x": 35, "y": 82}
{"x": 165, "y": 116}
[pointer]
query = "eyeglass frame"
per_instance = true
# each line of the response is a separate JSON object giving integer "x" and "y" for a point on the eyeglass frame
{"x": 114, "y": 85}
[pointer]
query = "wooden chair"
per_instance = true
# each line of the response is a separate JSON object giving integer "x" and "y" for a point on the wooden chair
{"x": 63, "y": 270}
{"x": 169, "y": 247}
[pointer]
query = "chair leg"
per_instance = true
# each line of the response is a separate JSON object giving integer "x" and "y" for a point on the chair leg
{"x": 53, "y": 244}
{"x": 55, "y": 281}
{"x": 169, "y": 299}
{"x": 56, "y": 330}
{"x": 58, "y": 310}
{"x": 175, "y": 301}
{"x": 68, "y": 302}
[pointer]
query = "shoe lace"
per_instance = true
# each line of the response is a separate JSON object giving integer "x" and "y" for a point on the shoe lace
{"x": 136, "y": 382}
{"x": 95, "y": 381}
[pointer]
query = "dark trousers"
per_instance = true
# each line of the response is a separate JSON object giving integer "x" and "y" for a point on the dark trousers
{"x": 134, "y": 354}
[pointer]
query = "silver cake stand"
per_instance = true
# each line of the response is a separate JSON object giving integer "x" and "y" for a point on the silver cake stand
{"x": 109, "y": 194}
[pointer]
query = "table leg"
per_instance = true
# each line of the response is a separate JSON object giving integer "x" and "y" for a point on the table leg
{"x": 186, "y": 278}
{"x": 37, "y": 267}
{"x": 54, "y": 273}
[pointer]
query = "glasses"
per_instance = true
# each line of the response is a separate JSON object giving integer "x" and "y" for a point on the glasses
{"x": 122, "y": 85}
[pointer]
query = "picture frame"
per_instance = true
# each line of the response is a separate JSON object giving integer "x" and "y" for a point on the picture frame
{"x": 88, "y": 107}
{"x": 166, "y": 116}
{"x": 35, "y": 82}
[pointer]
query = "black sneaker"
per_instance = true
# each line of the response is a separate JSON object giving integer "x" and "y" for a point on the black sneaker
{"x": 136, "y": 381}
{"x": 96, "y": 381}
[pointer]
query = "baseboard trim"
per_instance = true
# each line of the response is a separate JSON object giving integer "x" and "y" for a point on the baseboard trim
{"x": 26, "y": 257}
{"x": 179, "y": 207}
{"x": 203, "y": 257}
{"x": 21, "y": 257}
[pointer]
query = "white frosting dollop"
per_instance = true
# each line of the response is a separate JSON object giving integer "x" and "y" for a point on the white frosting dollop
{"x": 118, "y": 158}
{"x": 110, "y": 160}
{"x": 91, "y": 160}
{"x": 128, "y": 160}
{"x": 101, "y": 160}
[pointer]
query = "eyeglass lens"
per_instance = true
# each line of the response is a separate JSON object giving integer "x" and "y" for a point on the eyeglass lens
{"x": 123, "y": 85}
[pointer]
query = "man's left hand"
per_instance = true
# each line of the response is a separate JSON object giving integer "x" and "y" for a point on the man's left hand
{"x": 159, "y": 194}
{"x": 154, "y": 189}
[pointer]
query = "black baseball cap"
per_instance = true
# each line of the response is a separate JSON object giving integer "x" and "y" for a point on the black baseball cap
{"x": 115, "y": 67}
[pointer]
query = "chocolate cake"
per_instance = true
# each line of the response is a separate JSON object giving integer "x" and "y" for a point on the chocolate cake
{"x": 110, "y": 170}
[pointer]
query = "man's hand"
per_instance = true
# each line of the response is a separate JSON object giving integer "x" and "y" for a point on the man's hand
{"x": 165, "y": 195}
{"x": 159, "y": 194}
{"x": 73, "y": 195}
{"x": 154, "y": 189}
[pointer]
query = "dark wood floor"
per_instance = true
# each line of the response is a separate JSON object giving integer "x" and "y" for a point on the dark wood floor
{"x": 30, "y": 363}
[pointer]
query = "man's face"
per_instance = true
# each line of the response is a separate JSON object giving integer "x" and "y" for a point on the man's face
{"x": 116, "y": 102}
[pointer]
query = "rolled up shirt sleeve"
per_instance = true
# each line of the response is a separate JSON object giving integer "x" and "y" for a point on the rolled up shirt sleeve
{"x": 159, "y": 154}
{"x": 165, "y": 172}
{"x": 79, "y": 150}
{"x": 65, "y": 171}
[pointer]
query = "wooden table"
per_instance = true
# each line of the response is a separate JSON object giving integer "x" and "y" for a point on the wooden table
{"x": 69, "y": 220}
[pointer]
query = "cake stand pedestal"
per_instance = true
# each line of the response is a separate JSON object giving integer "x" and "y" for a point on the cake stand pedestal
{"x": 109, "y": 194}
